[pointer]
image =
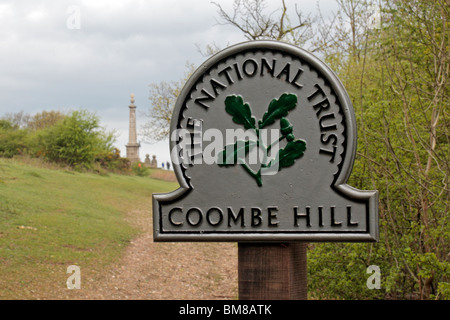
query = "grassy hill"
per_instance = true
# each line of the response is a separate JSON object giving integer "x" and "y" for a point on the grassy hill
{"x": 52, "y": 218}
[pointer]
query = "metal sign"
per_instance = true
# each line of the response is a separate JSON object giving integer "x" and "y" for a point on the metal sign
{"x": 263, "y": 139}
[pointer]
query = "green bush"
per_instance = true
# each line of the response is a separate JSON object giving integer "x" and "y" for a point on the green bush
{"x": 140, "y": 170}
{"x": 76, "y": 140}
{"x": 111, "y": 161}
{"x": 12, "y": 140}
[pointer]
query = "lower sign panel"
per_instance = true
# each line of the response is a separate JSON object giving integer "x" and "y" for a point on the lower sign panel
{"x": 346, "y": 221}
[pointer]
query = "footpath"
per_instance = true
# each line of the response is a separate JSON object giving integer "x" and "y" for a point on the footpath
{"x": 172, "y": 271}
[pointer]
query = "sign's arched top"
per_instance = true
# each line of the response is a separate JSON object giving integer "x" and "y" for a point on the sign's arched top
{"x": 293, "y": 77}
{"x": 263, "y": 140}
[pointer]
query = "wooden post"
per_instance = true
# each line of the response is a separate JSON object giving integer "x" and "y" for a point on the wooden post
{"x": 272, "y": 271}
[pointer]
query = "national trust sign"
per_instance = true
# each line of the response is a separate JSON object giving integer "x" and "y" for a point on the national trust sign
{"x": 263, "y": 140}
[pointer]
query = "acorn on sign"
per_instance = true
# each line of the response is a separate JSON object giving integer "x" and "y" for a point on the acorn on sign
{"x": 286, "y": 129}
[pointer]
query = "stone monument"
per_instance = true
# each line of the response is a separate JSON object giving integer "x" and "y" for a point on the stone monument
{"x": 154, "y": 163}
{"x": 133, "y": 146}
{"x": 147, "y": 161}
{"x": 150, "y": 163}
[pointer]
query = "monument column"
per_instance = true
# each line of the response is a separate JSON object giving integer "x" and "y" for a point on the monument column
{"x": 133, "y": 145}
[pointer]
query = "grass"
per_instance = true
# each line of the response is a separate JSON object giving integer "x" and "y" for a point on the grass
{"x": 52, "y": 218}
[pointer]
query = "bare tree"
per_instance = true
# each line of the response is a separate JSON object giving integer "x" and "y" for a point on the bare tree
{"x": 250, "y": 17}
{"x": 163, "y": 96}
{"x": 17, "y": 119}
{"x": 346, "y": 31}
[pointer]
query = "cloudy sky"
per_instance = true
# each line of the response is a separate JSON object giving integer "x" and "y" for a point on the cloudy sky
{"x": 79, "y": 54}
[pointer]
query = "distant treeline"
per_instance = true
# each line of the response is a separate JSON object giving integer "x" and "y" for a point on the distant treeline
{"x": 75, "y": 139}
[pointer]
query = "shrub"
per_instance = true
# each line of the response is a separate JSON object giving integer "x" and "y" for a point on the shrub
{"x": 111, "y": 161}
{"x": 140, "y": 170}
{"x": 44, "y": 119}
{"x": 76, "y": 140}
{"x": 12, "y": 139}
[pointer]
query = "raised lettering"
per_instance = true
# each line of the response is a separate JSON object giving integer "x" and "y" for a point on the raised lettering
{"x": 333, "y": 221}
{"x": 325, "y": 139}
{"x": 227, "y": 74}
{"x": 216, "y": 85}
{"x": 350, "y": 223}
{"x": 238, "y": 71}
{"x": 265, "y": 65}
{"x": 199, "y": 214}
{"x": 286, "y": 70}
{"x": 256, "y": 217}
{"x": 272, "y": 215}
{"x": 306, "y": 216}
{"x": 294, "y": 81}
{"x": 207, "y": 98}
{"x": 233, "y": 217}
{"x": 177, "y": 224}
{"x": 220, "y": 216}
{"x": 320, "y": 217}
{"x": 331, "y": 153}
{"x": 328, "y": 127}
{"x": 315, "y": 93}
{"x": 320, "y": 106}
{"x": 253, "y": 69}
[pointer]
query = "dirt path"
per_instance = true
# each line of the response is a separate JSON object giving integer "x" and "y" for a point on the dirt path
{"x": 150, "y": 270}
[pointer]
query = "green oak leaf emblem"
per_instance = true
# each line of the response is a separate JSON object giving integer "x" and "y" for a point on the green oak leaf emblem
{"x": 278, "y": 109}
